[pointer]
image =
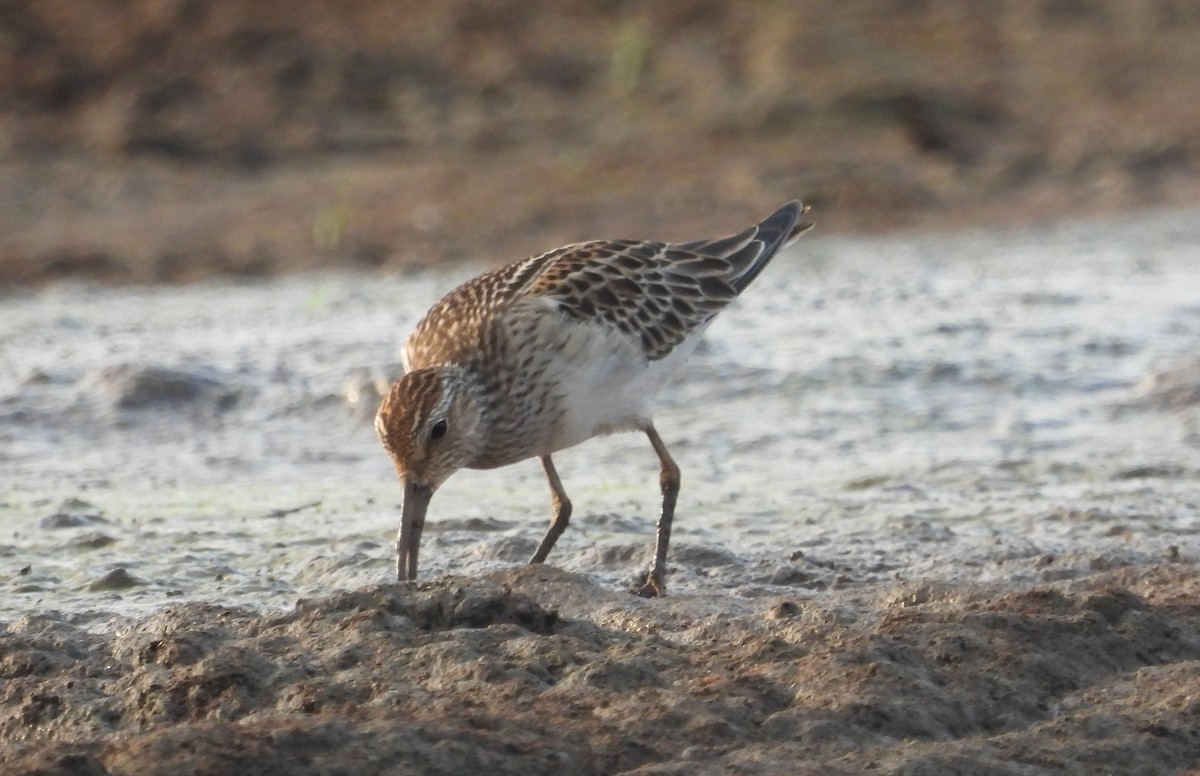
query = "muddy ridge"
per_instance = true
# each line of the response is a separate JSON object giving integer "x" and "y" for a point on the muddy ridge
{"x": 511, "y": 674}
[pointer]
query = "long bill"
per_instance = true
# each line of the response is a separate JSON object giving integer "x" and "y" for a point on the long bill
{"x": 412, "y": 522}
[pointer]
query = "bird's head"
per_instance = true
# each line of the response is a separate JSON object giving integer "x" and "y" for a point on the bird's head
{"x": 427, "y": 422}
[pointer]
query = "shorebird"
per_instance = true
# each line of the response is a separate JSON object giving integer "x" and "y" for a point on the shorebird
{"x": 545, "y": 353}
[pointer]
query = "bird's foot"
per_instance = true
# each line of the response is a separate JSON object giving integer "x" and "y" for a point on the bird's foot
{"x": 653, "y": 586}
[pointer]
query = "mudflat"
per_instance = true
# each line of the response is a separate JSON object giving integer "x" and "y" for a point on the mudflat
{"x": 938, "y": 515}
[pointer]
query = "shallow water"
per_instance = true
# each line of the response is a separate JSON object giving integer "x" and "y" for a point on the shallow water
{"x": 992, "y": 406}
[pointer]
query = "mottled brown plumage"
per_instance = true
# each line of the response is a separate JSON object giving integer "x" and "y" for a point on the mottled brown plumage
{"x": 542, "y": 354}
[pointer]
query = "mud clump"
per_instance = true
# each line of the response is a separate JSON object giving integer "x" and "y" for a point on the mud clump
{"x": 144, "y": 387}
{"x": 437, "y": 607}
{"x": 539, "y": 671}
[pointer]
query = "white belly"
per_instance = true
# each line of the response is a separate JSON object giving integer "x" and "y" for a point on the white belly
{"x": 608, "y": 384}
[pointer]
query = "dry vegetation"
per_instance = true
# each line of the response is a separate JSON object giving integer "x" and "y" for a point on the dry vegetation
{"x": 163, "y": 141}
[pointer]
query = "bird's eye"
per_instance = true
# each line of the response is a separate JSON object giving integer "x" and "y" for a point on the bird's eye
{"x": 439, "y": 430}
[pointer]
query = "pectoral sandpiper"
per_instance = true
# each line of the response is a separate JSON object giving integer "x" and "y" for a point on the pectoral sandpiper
{"x": 545, "y": 353}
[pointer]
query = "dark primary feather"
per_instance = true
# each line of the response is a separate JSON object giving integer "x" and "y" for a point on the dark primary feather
{"x": 750, "y": 250}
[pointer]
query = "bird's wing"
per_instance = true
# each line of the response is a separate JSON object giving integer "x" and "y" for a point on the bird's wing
{"x": 658, "y": 293}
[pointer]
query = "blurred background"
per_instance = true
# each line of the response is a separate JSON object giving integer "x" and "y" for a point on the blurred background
{"x": 168, "y": 140}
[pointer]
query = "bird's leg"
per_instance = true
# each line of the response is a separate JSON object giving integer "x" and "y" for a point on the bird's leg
{"x": 562, "y": 512}
{"x": 668, "y": 479}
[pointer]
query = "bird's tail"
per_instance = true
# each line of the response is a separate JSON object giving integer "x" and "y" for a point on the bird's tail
{"x": 750, "y": 250}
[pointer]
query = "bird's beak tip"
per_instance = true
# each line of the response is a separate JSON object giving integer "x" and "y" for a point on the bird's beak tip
{"x": 412, "y": 523}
